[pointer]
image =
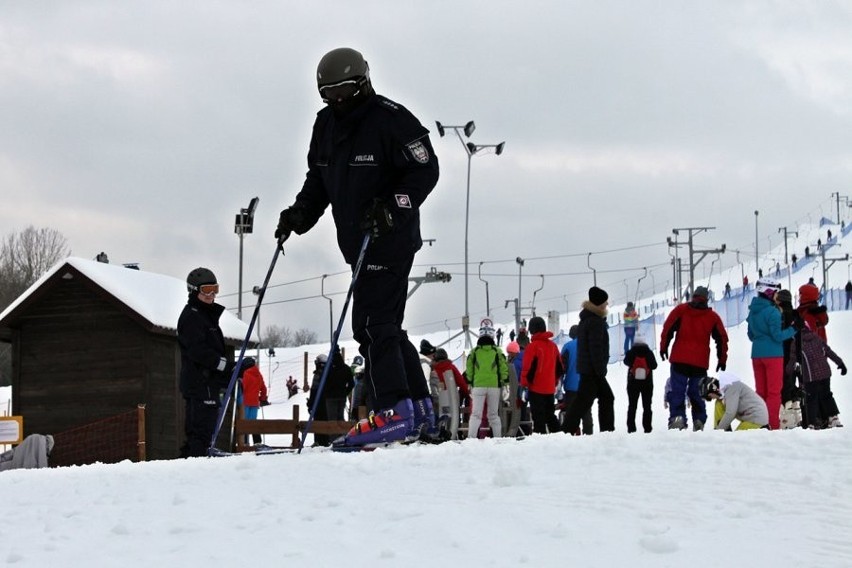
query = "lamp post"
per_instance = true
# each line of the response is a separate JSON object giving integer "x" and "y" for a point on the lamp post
{"x": 471, "y": 150}
{"x": 243, "y": 226}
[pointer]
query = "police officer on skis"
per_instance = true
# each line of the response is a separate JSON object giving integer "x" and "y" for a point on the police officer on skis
{"x": 372, "y": 161}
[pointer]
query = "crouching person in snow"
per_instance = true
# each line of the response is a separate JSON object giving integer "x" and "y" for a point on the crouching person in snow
{"x": 735, "y": 400}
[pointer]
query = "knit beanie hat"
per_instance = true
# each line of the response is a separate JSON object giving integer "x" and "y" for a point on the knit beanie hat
{"x": 808, "y": 293}
{"x": 426, "y": 348}
{"x": 597, "y": 296}
{"x": 701, "y": 292}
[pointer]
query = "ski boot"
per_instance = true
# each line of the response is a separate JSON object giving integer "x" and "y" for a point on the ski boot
{"x": 424, "y": 422}
{"x": 697, "y": 425}
{"x": 834, "y": 422}
{"x": 380, "y": 428}
{"x": 677, "y": 423}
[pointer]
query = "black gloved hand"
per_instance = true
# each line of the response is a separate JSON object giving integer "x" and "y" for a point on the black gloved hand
{"x": 664, "y": 355}
{"x": 378, "y": 219}
{"x": 842, "y": 369}
{"x": 264, "y": 402}
{"x": 292, "y": 220}
{"x": 720, "y": 367}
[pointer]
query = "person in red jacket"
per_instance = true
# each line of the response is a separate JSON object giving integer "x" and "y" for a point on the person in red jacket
{"x": 254, "y": 392}
{"x": 540, "y": 373}
{"x": 815, "y": 316}
{"x": 692, "y": 326}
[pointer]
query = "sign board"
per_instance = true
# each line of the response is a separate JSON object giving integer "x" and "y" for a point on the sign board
{"x": 11, "y": 429}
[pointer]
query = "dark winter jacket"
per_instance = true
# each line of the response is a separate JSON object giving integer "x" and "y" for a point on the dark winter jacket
{"x": 640, "y": 350}
{"x": 339, "y": 381}
{"x": 814, "y": 358}
{"x": 542, "y": 367}
{"x": 694, "y": 324}
{"x": 202, "y": 350}
{"x": 592, "y": 340}
{"x": 764, "y": 328}
{"x": 379, "y": 151}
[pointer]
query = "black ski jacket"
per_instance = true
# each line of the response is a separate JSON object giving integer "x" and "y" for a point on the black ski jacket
{"x": 380, "y": 150}
{"x": 592, "y": 341}
{"x": 202, "y": 347}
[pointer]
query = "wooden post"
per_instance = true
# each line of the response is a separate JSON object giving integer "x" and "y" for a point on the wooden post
{"x": 140, "y": 432}
{"x": 305, "y": 386}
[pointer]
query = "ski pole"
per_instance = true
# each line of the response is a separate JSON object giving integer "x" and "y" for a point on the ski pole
{"x": 232, "y": 383}
{"x": 330, "y": 360}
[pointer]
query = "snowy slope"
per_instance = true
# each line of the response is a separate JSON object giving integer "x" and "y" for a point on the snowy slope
{"x": 662, "y": 499}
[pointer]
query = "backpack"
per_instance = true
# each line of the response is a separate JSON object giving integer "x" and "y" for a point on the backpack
{"x": 640, "y": 369}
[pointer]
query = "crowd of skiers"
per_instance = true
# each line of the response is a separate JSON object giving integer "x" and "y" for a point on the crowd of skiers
{"x": 533, "y": 387}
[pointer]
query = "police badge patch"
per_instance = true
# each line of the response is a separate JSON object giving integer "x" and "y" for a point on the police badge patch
{"x": 419, "y": 152}
{"x": 402, "y": 201}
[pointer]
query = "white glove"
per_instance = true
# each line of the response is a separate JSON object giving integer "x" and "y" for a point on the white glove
{"x": 504, "y": 393}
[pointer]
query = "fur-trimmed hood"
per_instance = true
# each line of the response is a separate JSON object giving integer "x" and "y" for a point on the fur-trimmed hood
{"x": 598, "y": 310}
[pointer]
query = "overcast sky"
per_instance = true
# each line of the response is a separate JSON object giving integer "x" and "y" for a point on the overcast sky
{"x": 141, "y": 128}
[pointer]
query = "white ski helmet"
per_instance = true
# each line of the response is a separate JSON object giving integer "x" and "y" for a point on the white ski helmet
{"x": 767, "y": 286}
{"x": 486, "y": 328}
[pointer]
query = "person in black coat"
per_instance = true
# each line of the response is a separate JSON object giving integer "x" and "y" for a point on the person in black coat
{"x": 338, "y": 386}
{"x": 592, "y": 360}
{"x": 640, "y": 382}
{"x": 205, "y": 365}
{"x": 372, "y": 161}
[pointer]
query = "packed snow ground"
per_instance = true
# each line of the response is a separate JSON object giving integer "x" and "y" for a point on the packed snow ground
{"x": 756, "y": 498}
{"x": 763, "y": 498}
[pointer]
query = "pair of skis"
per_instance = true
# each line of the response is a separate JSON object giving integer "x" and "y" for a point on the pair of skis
{"x": 212, "y": 450}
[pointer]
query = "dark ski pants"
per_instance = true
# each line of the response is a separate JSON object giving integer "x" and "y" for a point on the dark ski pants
{"x": 392, "y": 366}
{"x": 635, "y": 389}
{"x": 593, "y": 387}
{"x": 819, "y": 403}
{"x": 683, "y": 387}
{"x": 543, "y": 413}
{"x": 570, "y": 399}
{"x": 199, "y": 423}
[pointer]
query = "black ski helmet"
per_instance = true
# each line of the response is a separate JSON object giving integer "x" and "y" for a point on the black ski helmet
{"x": 198, "y": 278}
{"x": 707, "y": 386}
{"x": 248, "y": 363}
{"x": 342, "y": 65}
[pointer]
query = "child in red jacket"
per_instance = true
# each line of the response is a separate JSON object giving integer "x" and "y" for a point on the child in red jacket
{"x": 540, "y": 373}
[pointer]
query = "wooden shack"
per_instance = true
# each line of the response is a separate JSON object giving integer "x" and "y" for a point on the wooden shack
{"x": 91, "y": 340}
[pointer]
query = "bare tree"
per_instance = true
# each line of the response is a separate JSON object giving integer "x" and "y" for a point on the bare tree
{"x": 304, "y": 337}
{"x": 24, "y": 258}
{"x": 277, "y": 336}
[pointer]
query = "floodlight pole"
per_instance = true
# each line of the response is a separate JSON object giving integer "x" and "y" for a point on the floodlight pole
{"x": 470, "y": 149}
{"x": 243, "y": 225}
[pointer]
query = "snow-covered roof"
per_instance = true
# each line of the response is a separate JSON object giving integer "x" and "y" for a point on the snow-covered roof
{"x": 157, "y": 298}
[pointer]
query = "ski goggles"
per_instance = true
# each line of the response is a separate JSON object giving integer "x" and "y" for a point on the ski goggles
{"x": 209, "y": 289}
{"x": 339, "y": 92}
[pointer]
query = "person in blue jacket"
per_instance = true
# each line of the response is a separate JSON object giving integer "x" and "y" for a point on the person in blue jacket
{"x": 767, "y": 346}
{"x": 571, "y": 383}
